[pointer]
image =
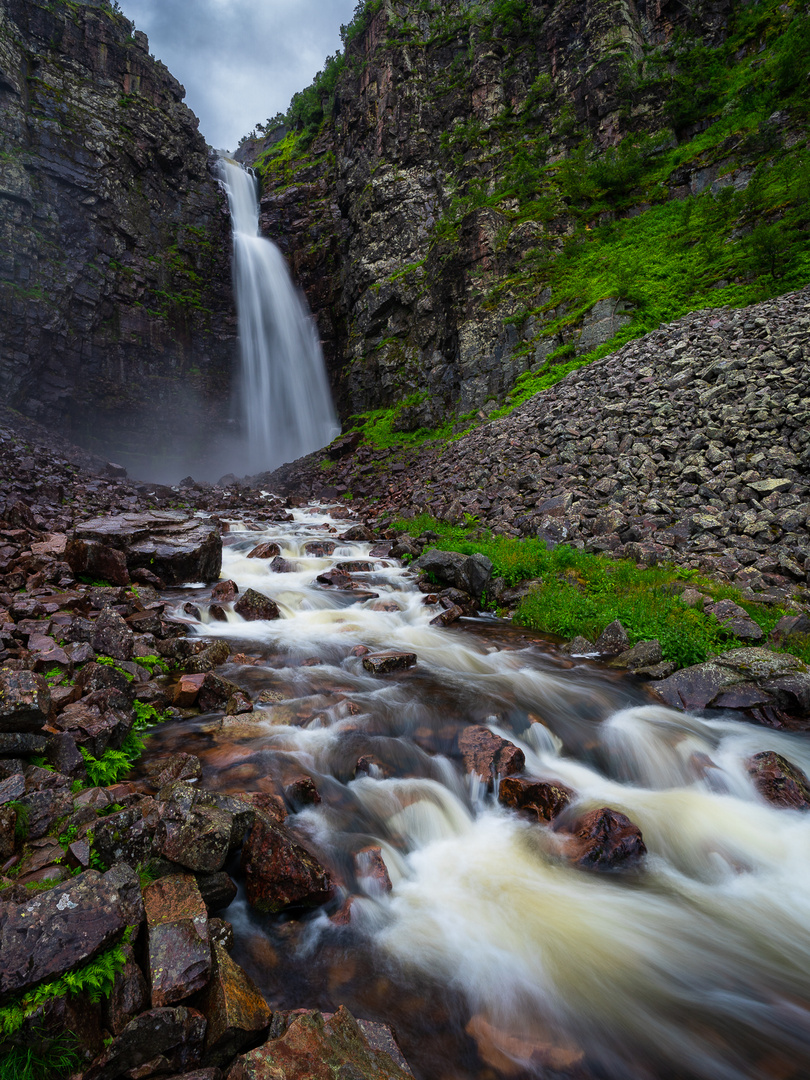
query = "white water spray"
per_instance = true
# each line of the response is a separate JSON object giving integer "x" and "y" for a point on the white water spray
{"x": 286, "y": 400}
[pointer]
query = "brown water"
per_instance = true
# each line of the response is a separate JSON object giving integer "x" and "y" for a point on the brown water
{"x": 491, "y": 956}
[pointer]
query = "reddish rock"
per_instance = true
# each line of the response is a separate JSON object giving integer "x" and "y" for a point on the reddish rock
{"x": 302, "y": 792}
{"x": 280, "y": 565}
{"x": 372, "y": 871}
{"x": 185, "y": 692}
{"x": 488, "y": 755}
{"x": 177, "y": 935}
{"x": 265, "y": 551}
{"x": 319, "y": 549}
{"x": 225, "y": 591}
{"x": 778, "y": 781}
{"x": 237, "y": 1014}
{"x": 253, "y": 606}
{"x": 25, "y": 700}
{"x": 539, "y": 799}
{"x": 55, "y": 932}
{"x": 172, "y": 1038}
{"x": 280, "y": 872}
{"x": 97, "y": 561}
{"x": 112, "y": 636}
{"x": 128, "y": 836}
{"x": 358, "y": 534}
{"x": 181, "y": 766}
{"x": 321, "y": 1047}
{"x": 448, "y": 616}
{"x": 197, "y": 836}
{"x": 605, "y": 839}
{"x": 383, "y": 663}
{"x": 356, "y": 566}
{"x": 128, "y": 997}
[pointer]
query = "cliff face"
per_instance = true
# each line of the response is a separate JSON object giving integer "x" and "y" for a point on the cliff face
{"x": 115, "y": 297}
{"x": 471, "y": 150}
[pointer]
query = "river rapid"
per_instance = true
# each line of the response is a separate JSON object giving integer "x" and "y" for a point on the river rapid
{"x": 491, "y": 955}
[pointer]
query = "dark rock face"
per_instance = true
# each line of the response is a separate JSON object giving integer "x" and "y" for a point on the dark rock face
{"x": 172, "y": 1038}
{"x": 25, "y": 701}
{"x": 604, "y": 839}
{"x": 237, "y": 1014}
{"x": 177, "y": 927}
{"x": 539, "y": 799}
{"x": 778, "y": 781}
{"x": 384, "y": 663}
{"x": 488, "y": 755}
{"x": 254, "y": 606}
{"x": 115, "y": 295}
{"x": 280, "y": 872}
{"x": 470, "y": 573}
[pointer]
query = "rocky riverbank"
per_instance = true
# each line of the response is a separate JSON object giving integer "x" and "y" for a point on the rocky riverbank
{"x": 690, "y": 445}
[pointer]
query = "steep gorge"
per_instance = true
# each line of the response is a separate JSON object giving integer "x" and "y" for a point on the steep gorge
{"x": 490, "y": 191}
{"x": 115, "y": 293}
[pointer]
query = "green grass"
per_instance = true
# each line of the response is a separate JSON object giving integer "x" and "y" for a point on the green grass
{"x": 583, "y": 593}
{"x": 26, "y": 1063}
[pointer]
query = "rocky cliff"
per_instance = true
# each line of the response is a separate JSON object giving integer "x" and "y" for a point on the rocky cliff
{"x": 493, "y": 190}
{"x": 115, "y": 298}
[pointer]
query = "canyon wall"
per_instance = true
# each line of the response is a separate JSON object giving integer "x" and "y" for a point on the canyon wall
{"x": 116, "y": 315}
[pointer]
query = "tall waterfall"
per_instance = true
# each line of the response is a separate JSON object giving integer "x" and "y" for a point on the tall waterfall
{"x": 287, "y": 404}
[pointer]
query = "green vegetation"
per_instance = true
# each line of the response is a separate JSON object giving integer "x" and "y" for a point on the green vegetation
{"x": 114, "y": 765}
{"x": 25, "y": 1063}
{"x": 582, "y": 593}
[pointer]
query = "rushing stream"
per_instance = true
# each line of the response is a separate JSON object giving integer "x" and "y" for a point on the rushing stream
{"x": 492, "y": 956}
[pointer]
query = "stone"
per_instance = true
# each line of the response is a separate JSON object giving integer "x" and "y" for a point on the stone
{"x": 279, "y": 872}
{"x": 319, "y": 1046}
{"x": 282, "y": 566}
{"x": 225, "y": 591}
{"x": 129, "y": 995}
{"x": 605, "y": 839}
{"x": 55, "y": 932}
{"x": 177, "y": 939}
{"x": 218, "y": 890}
{"x": 265, "y": 551}
{"x": 735, "y": 620}
{"x": 319, "y": 549}
{"x": 238, "y": 704}
{"x": 644, "y": 654}
{"x": 180, "y": 766}
{"x": 170, "y": 544}
{"x": 172, "y": 1037}
{"x": 197, "y": 837}
{"x": 778, "y": 781}
{"x": 25, "y": 701}
{"x": 448, "y": 616}
{"x": 302, "y": 792}
{"x": 237, "y": 1014}
{"x": 579, "y": 646}
{"x": 540, "y": 799}
{"x": 385, "y": 663}
{"x": 112, "y": 637}
{"x": 254, "y": 606}
{"x": 612, "y": 640}
{"x": 358, "y": 534}
{"x": 470, "y": 573}
{"x": 372, "y": 871}
{"x": 129, "y": 835}
{"x": 97, "y": 560}
{"x": 489, "y": 756}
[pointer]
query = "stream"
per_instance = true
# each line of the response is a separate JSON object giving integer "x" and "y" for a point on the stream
{"x": 492, "y": 956}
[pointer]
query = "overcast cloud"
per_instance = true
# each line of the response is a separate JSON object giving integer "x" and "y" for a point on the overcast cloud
{"x": 240, "y": 60}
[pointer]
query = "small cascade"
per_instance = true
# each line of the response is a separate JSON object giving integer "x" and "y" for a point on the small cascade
{"x": 287, "y": 405}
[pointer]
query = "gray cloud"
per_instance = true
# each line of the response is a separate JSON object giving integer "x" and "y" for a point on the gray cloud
{"x": 240, "y": 60}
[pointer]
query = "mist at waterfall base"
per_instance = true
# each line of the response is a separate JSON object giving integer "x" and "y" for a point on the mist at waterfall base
{"x": 492, "y": 956}
{"x": 286, "y": 404}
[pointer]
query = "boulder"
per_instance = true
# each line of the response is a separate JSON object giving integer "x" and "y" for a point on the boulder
{"x": 645, "y": 654}
{"x": 25, "y": 701}
{"x": 167, "y": 1039}
{"x": 735, "y": 620}
{"x": 128, "y": 836}
{"x": 237, "y": 1014}
{"x": 57, "y": 931}
{"x": 253, "y": 606}
{"x": 128, "y": 997}
{"x": 470, "y": 573}
{"x": 112, "y": 637}
{"x": 177, "y": 939}
{"x": 384, "y": 663}
{"x": 279, "y": 872}
{"x": 612, "y": 640}
{"x": 97, "y": 560}
{"x": 225, "y": 591}
{"x": 197, "y": 836}
{"x": 265, "y": 551}
{"x": 170, "y": 544}
{"x": 318, "y": 1046}
{"x": 319, "y": 549}
{"x": 778, "y": 781}
{"x": 540, "y": 799}
{"x": 605, "y": 839}
{"x": 488, "y": 756}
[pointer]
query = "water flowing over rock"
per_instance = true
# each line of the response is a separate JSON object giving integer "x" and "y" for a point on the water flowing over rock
{"x": 287, "y": 404}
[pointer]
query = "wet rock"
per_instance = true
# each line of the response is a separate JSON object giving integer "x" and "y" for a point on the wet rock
{"x": 169, "y": 544}
{"x": 128, "y": 997}
{"x": 778, "y": 781}
{"x": 265, "y": 551}
{"x": 448, "y": 616}
{"x": 225, "y": 591}
{"x": 98, "y": 561}
{"x": 217, "y": 613}
{"x": 372, "y": 871}
{"x": 612, "y": 640}
{"x": 180, "y": 766}
{"x": 25, "y": 701}
{"x": 384, "y": 663}
{"x": 580, "y": 646}
{"x": 171, "y": 1038}
{"x": 605, "y": 839}
{"x": 487, "y": 755}
{"x": 193, "y": 611}
{"x": 64, "y": 755}
{"x": 319, "y": 549}
{"x": 57, "y": 931}
{"x": 112, "y": 637}
{"x": 302, "y": 792}
{"x": 540, "y": 799}
{"x": 237, "y": 1014}
{"x": 358, "y": 534}
{"x": 128, "y": 836}
{"x": 177, "y": 936}
{"x": 197, "y": 836}
{"x": 745, "y": 678}
{"x": 643, "y": 655}
{"x": 217, "y": 890}
{"x": 321, "y": 1047}
{"x": 253, "y": 606}
{"x": 238, "y": 704}
{"x": 470, "y": 573}
{"x": 208, "y": 658}
{"x": 279, "y": 872}
{"x": 282, "y": 566}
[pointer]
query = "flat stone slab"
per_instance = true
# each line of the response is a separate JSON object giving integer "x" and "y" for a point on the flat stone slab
{"x": 170, "y": 544}
{"x": 177, "y": 930}
{"x": 384, "y": 663}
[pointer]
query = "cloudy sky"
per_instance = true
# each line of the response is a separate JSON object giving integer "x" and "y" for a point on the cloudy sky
{"x": 240, "y": 60}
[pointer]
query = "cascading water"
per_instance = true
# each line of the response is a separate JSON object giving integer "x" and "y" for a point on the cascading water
{"x": 287, "y": 404}
{"x": 492, "y": 956}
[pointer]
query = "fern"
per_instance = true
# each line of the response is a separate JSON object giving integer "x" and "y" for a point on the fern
{"x": 108, "y": 661}
{"x": 114, "y": 764}
{"x": 21, "y": 820}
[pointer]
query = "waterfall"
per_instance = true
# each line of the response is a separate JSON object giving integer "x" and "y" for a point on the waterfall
{"x": 286, "y": 402}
